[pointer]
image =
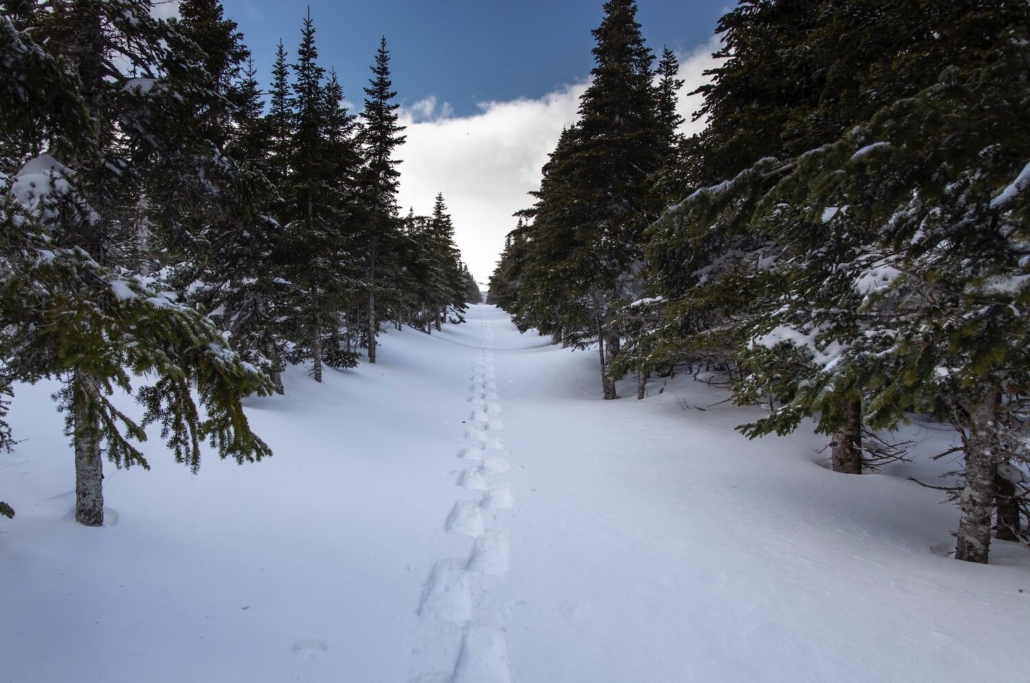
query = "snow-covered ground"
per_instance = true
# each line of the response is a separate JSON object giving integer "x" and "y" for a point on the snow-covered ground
{"x": 468, "y": 510}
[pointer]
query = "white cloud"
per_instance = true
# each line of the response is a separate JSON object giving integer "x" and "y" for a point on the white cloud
{"x": 428, "y": 110}
{"x": 486, "y": 164}
{"x": 692, "y": 68}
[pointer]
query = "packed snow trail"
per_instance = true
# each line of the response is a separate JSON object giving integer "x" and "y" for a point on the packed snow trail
{"x": 468, "y": 509}
{"x": 463, "y": 595}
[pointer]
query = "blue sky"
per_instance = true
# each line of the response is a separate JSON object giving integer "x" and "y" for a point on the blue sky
{"x": 486, "y": 86}
{"x": 463, "y": 51}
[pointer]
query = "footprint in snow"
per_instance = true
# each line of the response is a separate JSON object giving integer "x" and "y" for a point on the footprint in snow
{"x": 500, "y": 497}
{"x": 465, "y": 518}
{"x": 491, "y": 554}
{"x": 472, "y": 479}
{"x": 484, "y": 657}
{"x": 471, "y": 451}
{"x": 476, "y": 434}
{"x": 495, "y": 464}
{"x": 446, "y": 596}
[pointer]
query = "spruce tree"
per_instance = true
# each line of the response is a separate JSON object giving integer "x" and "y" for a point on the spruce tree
{"x": 312, "y": 236}
{"x": 585, "y": 249}
{"x": 221, "y": 55}
{"x": 379, "y": 182}
{"x": 73, "y": 301}
{"x": 855, "y": 249}
{"x": 279, "y": 121}
{"x": 472, "y": 293}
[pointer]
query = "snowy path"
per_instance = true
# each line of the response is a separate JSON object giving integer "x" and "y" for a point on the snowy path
{"x": 467, "y": 594}
{"x": 468, "y": 510}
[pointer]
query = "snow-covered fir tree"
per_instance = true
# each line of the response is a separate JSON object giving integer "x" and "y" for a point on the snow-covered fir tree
{"x": 96, "y": 154}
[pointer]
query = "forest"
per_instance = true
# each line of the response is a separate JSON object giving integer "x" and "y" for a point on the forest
{"x": 160, "y": 220}
{"x": 818, "y": 297}
{"x": 846, "y": 240}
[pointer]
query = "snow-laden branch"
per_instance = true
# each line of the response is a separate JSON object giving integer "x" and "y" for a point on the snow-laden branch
{"x": 1018, "y": 185}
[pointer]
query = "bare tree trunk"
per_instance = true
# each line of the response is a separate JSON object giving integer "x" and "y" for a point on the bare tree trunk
{"x": 642, "y": 384}
{"x": 607, "y": 356}
{"x": 89, "y": 462}
{"x": 977, "y": 499}
{"x": 316, "y": 338}
{"x": 611, "y": 349}
{"x": 277, "y": 382}
{"x": 347, "y": 335}
{"x": 847, "y": 441}
{"x": 142, "y": 236}
{"x": 1007, "y": 505}
{"x": 373, "y": 327}
{"x": 439, "y": 316}
{"x": 556, "y": 336}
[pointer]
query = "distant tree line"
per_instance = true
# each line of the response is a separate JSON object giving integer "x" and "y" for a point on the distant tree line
{"x": 162, "y": 217}
{"x": 847, "y": 240}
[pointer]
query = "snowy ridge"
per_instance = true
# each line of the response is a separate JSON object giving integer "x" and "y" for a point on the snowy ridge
{"x": 460, "y": 593}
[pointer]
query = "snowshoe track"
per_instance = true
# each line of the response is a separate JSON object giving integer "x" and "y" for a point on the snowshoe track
{"x": 461, "y": 593}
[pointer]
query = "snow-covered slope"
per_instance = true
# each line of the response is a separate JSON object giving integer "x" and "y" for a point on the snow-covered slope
{"x": 468, "y": 510}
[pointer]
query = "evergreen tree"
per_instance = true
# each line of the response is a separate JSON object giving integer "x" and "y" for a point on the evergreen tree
{"x": 221, "y": 55}
{"x": 379, "y": 182}
{"x": 584, "y": 255}
{"x": 669, "y": 119}
{"x": 73, "y": 302}
{"x": 846, "y": 248}
{"x": 472, "y": 293}
{"x": 312, "y": 235}
{"x": 279, "y": 120}
{"x": 345, "y": 164}
{"x": 446, "y": 285}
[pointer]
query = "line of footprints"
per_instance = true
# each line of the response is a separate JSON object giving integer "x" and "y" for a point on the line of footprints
{"x": 464, "y": 593}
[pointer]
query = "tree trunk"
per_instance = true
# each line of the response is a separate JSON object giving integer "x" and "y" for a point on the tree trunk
{"x": 347, "y": 335}
{"x": 89, "y": 462}
{"x": 847, "y": 441}
{"x": 316, "y": 338}
{"x": 277, "y": 382}
{"x": 373, "y": 327}
{"x": 1007, "y": 505}
{"x": 271, "y": 352}
{"x": 556, "y": 336}
{"x": 604, "y": 347}
{"x": 442, "y": 315}
{"x": 977, "y": 499}
{"x": 642, "y": 384}
{"x": 612, "y": 347}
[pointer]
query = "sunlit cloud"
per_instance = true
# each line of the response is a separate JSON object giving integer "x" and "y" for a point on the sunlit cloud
{"x": 486, "y": 164}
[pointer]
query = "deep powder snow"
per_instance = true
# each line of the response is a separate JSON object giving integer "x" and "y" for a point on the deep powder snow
{"x": 468, "y": 511}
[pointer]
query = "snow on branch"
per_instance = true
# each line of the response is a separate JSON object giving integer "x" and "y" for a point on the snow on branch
{"x": 1018, "y": 185}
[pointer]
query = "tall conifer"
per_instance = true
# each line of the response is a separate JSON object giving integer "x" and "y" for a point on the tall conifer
{"x": 379, "y": 182}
